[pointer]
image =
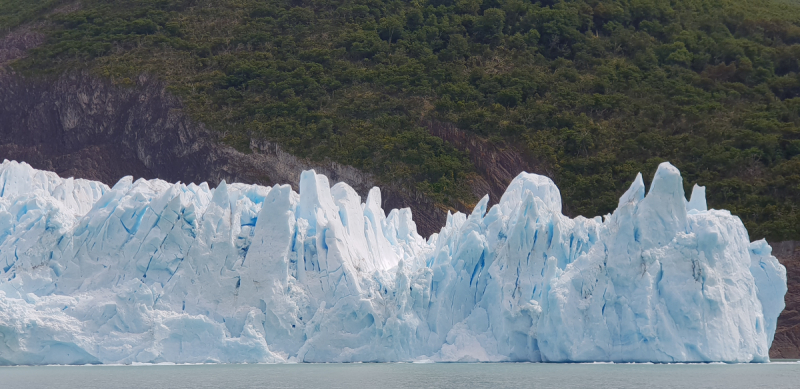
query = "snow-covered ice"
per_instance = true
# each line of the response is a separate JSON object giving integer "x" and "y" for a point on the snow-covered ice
{"x": 152, "y": 272}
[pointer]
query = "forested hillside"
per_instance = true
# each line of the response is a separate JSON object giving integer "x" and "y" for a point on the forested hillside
{"x": 593, "y": 91}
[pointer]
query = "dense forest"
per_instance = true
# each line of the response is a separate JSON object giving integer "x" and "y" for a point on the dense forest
{"x": 593, "y": 91}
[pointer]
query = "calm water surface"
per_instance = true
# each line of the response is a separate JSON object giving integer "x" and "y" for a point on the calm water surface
{"x": 400, "y": 375}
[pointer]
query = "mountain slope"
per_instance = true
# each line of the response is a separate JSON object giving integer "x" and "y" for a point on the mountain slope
{"x": 590, "y": 92}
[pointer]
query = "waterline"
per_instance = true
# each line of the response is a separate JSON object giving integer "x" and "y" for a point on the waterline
{"x": 778, "y": 374}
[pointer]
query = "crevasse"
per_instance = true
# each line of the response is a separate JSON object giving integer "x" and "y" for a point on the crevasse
{"x": 151, "y": 272}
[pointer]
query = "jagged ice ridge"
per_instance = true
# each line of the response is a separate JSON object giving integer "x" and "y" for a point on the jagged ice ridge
{"x": 152, "y": 272}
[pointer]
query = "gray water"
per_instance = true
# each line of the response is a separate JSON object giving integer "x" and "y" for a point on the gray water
{"x": 402, "y": 375}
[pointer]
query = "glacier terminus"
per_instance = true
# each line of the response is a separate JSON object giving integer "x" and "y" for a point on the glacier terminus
{"x": 151, "y": 272}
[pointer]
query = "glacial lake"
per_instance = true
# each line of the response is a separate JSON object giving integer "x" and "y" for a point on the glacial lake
{"x": 779, "y": 374}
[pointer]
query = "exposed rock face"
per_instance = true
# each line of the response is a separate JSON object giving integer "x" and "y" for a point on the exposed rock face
{"x": 787, "y": 336}
{"x": 83, "y": 126}
{"x": 14, "y": 44}
{"x": 497, "y": 165}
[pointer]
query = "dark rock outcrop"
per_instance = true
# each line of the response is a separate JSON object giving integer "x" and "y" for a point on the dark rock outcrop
{"x": 16, "y": 43}
{"x": 496, "y": 164}
{"x": 787, "y": 336}
{"x": 83, "y": 126}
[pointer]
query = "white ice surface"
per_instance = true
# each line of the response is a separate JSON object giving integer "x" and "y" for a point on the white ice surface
{"x": 153, "y": 272}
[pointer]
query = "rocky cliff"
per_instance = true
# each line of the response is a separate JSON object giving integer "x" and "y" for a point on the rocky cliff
{"x": 83, "y": 126}
{"x": 496, "y": 163}
{"x": 787, "y": 336}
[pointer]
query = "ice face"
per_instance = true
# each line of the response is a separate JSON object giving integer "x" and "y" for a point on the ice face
{"x": 149, "y": 271}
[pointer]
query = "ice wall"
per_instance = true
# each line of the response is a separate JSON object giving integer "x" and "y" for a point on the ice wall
{"x": 149, "y": 271}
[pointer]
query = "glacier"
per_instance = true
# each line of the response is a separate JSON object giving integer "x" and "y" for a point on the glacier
{"x": 152, "y": 272}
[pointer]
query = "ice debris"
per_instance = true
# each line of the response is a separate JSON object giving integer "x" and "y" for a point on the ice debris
{"x": 151, "y": 272}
